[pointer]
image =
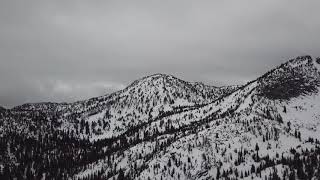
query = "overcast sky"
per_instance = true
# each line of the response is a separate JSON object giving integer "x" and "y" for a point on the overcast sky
{"x": 72, "y": 50}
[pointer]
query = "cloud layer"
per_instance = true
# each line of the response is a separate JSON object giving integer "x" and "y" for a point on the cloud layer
{"x": 65, "y": 51}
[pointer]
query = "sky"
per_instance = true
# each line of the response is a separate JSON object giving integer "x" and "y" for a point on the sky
{"x": 64, "y": 51}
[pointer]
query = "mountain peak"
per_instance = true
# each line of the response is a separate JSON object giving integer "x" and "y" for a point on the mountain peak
{"x": 159, "y": 76}
{"x": 162, "y": 85}
{"x": 152, "y": 78}
{"x": 300, "y": 61}
{"x": 298, "y": 76}
{"x": 302, "y": 58}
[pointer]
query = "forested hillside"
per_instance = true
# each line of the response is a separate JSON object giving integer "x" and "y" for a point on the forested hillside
{"x": 161, "y": 127}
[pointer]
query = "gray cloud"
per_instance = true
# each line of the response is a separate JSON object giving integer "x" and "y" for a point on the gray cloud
{"x": 65, "y": 51}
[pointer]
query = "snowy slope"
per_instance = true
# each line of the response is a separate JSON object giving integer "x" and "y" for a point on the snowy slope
{"x": 224, "y": 135}
{"x": 161, "y": 127}
{"x": 143, "y": 101}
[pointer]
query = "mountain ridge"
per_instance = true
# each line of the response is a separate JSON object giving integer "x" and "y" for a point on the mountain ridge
{"x": 131, "y": 84}
{"x": 161, "y": 127}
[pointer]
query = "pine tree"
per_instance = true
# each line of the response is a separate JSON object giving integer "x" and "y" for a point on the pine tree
{"x": 257, "y": 150}
{"x": 121, "y": 175}
{"x": 218, "y": 173}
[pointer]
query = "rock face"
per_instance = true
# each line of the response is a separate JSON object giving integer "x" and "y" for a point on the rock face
{"x": 161, "y": 127}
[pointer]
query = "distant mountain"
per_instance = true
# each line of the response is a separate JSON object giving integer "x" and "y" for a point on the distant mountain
{"x": 142, "y": 101}
{"x": 161, "y": 127}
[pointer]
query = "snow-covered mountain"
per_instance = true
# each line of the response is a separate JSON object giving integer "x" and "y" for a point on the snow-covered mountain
{"x": 161, "y": 127}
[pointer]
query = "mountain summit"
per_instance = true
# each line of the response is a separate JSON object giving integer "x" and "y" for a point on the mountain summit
{"x": 161, "y": 127}
{"x": 294, "y": 78}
